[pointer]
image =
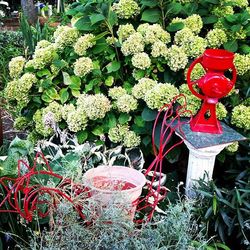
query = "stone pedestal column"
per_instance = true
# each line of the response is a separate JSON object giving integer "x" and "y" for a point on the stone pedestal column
{"x": 200, "y": 164}
{"x": 203, "y": 148}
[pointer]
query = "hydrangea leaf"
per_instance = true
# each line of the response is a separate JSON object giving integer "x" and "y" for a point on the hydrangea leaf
{"x": 43, "y": 72}
{"x": 139, "y": 121}
{"x": 148, "y": 114}
{"x": 124, "y": 118}
{"x": 100, "y": 46}
{"x": 113, "y": 66}
{"x": 95, "y": 18}
{"x": 210, "y": 19}
{"x": 75, "y": 83}
{"x": 50, "y": 94}
{"x": 82, "y": 136}
{"x": 174, "y": 8}
{"x": 64, "y": 95}
{"x": 149, "y": 3}
{"x": 111, "y": 120}
{"x": 175, "y": 27}
{"x": 66, "y": 78}
{"x": 98, "y": 130}
{"x": 231, "y": 45}
{"x": 109, "y": 81}
{"x": 84, "y": 24}
{"x": 151, "y": 15}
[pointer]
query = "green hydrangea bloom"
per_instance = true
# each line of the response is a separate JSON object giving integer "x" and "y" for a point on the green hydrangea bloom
{"x": 241, "y": 117}
{"x": 65, "y": 36}
{"x": 131, "y": 140}
{"x": 194, "y": 23}
{"x": 39, "y": 124}
{"x": 111, "y": 40}
{"x": 117, "y": 92}
{"x": 95, "y": 106}
{"x": 83, "y": 66}
{"x": 116, "y": 134}
{"x": 56, "y": 109}
{"x": 242, "y": 63}
{"x": 43, "y": 56}
{"x": 83, "y": 43}
{"x": 67, "y": 108}
{"x": 141, "y": 88}
{"x": 216, "y": 37}
{"x": 233, "y": 147}
{"x": 42, "y": 44}
{"x": 193, "y": 45}
{"x": 126, "y": 103}
{"x": 16, "y": 65}
{"x": 76, "y": 120}
{"x": 176, "y": 58}
{"x": 124, "y": 31}
{"x": 193, "y": 103}
{"x": 221, "y": 111}
{"x": 159, "y": 49}
{"x": 141, "y": 61}
{"x": 222, "y": 11}
{"x": 11, "y": 90}
{"x": 237, "y": 3}
{"x": 134, "y": 44}
{"x": 154, "y": 33}
{"x": 20, "y": 123}
{"x": 197, "y": 72}
{"x": 126, "y": 9}
{"x": 161, "y": 94}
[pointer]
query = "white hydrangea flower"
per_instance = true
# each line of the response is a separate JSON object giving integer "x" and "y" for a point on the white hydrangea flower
{"x": 141, "y": 61}
{"x": 176, "y": 58}
{"x": 117, "y": 92}
{"x": 95, "y": 106}
{"x": 124, "y": 31}
{"x": 126, "y": 9}
{"x": 126, "y": 103}
{"x": 83, "y": 66}
{"x": 161, "y": 94}
{"x": 141, "y": 88}
{"x": 216, "y": 37}
{"x": 16, "y": 66}
{"x": 77, "y": 120}
{"x": 83, "y": 43}
{"x": 131, "y": 140}
{"x": 65, "y": 36}
{"x": 159, "y": 49}
{"x": 134, "y": 44}
{"x": 242, "y": 63}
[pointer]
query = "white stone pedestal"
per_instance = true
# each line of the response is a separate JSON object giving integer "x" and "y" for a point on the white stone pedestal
{"x": 200, "y": 164}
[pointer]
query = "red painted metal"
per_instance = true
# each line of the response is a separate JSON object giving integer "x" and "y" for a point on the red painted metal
{"x": 213, "y": 85}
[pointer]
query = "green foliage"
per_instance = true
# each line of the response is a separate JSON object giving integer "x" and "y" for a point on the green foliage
{"x": 225, "y": 210}
{"x": 32, "y": 35}
{"x": 11, "y": 45}
{"x": 114, "y": 47}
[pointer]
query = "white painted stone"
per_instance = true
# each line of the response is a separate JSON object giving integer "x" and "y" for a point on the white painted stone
{"x": 200, "y": 164}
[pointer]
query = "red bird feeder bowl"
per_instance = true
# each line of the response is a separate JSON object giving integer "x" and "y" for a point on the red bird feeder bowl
{"x": 213, "y": 85}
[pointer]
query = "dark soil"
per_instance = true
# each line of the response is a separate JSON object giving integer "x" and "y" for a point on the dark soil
{"x": 7, "y": 132}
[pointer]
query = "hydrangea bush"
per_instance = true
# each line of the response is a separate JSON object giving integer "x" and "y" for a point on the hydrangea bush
{"x": 106, "y": 75}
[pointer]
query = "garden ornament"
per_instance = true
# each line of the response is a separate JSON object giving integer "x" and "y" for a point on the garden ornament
{"x": 213, "y": 85}
{"x": 31, "y": 194}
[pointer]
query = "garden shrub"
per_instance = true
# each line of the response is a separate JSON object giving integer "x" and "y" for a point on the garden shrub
{"x": 120, "y": 62}
{"x": 176, "y": 230}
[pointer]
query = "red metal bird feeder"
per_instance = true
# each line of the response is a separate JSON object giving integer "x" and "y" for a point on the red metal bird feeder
{"x": 213, "y": 85}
